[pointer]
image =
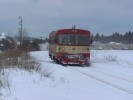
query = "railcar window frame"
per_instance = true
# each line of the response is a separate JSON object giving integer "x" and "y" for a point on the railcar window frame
{"x": 74, "y": 39}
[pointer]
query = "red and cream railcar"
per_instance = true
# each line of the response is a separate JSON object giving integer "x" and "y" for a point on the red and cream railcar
{"x": 70, "y": 46}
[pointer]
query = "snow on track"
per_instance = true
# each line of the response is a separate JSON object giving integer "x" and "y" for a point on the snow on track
{"x": 110, "y": 79}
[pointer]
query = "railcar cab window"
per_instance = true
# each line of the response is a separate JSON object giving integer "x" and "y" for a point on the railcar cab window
{"x": 68, "y": 39}
{"x": 71, "y": 39}
{"x": 83, "y": 40}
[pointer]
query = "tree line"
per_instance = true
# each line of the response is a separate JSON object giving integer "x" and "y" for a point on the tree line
{"x": 126, "y": 38}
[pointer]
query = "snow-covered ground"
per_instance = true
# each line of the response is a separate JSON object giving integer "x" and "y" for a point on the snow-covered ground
{"x": 109, "y": 77}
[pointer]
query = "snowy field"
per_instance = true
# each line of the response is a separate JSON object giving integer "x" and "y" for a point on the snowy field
{"x": 109, "y": 77}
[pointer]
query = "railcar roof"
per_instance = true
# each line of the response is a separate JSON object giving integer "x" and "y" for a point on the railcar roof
{"x": 70, "y": 31}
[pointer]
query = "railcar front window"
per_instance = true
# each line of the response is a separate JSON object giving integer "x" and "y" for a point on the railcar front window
{"x": 71, "y": 39}
{"x": 68, "y": 39}
{"x": 83, "y": 40}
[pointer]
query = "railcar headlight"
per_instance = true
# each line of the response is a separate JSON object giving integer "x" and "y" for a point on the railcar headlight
{"x": 59, "y": 48}
{"x": 87, "y": 49}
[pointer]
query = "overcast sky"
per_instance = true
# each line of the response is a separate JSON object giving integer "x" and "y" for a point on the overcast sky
{"x": 40, "y": 17}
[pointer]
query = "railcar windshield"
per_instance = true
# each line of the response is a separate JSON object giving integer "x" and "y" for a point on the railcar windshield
{"x": 83, "y": 40}
{"x": 67, "y": 39}
{"x": 72, "y": 39}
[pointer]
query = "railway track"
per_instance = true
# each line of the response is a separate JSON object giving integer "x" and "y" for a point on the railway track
{"x": 100, "y": 76}
{"x": 113, "y": 74}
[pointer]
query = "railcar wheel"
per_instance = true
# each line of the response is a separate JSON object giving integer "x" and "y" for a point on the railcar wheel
{"x": 60, "y": 62}
{"x": 88, "y": 64}
{"x": 57, "y": 61}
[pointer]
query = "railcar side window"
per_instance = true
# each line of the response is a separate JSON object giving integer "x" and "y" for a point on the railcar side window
{"x": 52, "y": 40}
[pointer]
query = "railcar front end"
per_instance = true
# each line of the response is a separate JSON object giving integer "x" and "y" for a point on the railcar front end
{"x": 70, "y": 47}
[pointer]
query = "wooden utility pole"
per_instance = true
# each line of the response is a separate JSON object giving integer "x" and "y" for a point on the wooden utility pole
{"x": 20, "y": 30}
